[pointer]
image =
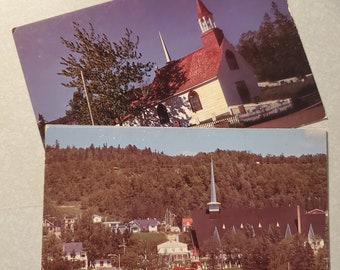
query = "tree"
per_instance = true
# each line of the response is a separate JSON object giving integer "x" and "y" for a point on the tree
{"x": 98, "y": 240}
{"x": 257, "y": 256}
{"x": 275, "y": 50}
{"x": 112, "y": 72}
{"x": 52, "y": 256}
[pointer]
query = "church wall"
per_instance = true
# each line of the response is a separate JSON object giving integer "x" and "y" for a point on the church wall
{"x": 228, "y": 77}
{"x": 212, "y": 100}
{"x": 178, "y": 107}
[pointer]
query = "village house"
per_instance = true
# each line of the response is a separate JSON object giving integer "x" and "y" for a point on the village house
{"x": 102, "y": 264}
{"x": 186, "y": 224}
{"x": 116, "y": 226}
{"x": 144, "y": 225}
{"x": 50, "y": 225}
{"x": 97, "y": 219}
{"x": 68, "y": 222}
{"x": 174, "y": 251}
{"x": 74, "y": 251}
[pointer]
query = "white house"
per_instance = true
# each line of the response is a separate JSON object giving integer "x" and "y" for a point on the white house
{"x": 174, "y": 251}
{"x": 97, "y": 219}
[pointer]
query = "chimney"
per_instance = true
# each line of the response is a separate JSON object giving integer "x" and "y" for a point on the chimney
{"x": 298, "y": 210}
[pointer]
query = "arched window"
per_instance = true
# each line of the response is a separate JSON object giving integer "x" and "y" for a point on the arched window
{"x": 231, "y": 60}
{"x": 162, "y": 114}
{"x": 194, "y": 101}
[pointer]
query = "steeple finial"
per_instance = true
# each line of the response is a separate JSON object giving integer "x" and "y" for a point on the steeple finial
{"x": 204, "y": 17}
{"x": 166, "y": 53}
{"x": 213, "y": 205}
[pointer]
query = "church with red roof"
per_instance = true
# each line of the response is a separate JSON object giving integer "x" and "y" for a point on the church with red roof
{"x": 218, "y": 220}
{"x": 206, "y": 86}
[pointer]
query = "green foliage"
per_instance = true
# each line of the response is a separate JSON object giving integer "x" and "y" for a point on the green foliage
{"x": 98, "y": 240}
{"x": 52, "y": 256}
{"x": 125, "y": 184}
{"x": 275, "y": 50}
{"x": 257, "y": 256}
{"x": 112, "y": 71}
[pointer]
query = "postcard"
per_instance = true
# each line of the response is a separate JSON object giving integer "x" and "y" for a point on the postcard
{"x": 175, "y": 198}
{"x": 171, "y": 64}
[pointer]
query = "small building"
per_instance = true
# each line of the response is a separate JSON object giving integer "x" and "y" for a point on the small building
{"x": 68, "y": 222}
{"x": 144, "y": 225}
{"x": 52, "y": 226}
{"x": 116, "y": 226}
{"x": 97, "y": 219}
{"x": 186, "y": 224}
{"x": 103, "y": 264}
{"x": 74, "y": 251}
{"x": 174, "y": 251}
{"x": 113, "y": 225}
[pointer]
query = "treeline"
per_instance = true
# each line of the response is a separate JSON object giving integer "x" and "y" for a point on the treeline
{"x": 275, "y": 50}
{"x": 127, "y": 183}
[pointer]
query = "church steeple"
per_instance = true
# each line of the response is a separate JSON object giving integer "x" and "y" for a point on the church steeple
{"x": 213, "y": 205}
{"x": 204, "y": 17}
{"x": 166, "y": 52}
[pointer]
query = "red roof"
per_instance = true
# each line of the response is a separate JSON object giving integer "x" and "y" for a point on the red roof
{"x": 202, "y": 10}
{"x": 260, "y": 219}
{"x": 187, "y": 221}
{"x": 187, "y": 72}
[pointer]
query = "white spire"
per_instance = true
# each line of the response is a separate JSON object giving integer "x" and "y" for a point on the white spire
{"x": 213, "y": 205}
{"x": 167, "y": 55}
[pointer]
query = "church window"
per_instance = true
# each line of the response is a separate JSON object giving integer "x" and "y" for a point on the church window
{"x": 162, "y": 114}
{"x": 243, "y": 91}
{"x": 231, "y": 60}
{"x": 194, "y": 101}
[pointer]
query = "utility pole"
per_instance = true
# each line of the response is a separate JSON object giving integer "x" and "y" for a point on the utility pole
{"x": 87, "y": 98}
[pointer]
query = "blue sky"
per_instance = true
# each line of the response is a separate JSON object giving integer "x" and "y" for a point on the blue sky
{"x": 189, "y": 141}
{"x": 40, "y": 50}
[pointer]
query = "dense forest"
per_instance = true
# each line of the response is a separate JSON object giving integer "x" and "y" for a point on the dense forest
{"x": 127, "y": 183}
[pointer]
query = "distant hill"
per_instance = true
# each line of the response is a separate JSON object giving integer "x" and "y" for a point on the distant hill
{"x": 127, "y": 183}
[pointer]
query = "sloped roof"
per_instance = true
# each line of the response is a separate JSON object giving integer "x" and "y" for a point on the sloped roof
{"x": 202, "y": 10}
{"x": 259, "y": 219}
{"x": 187, "y": 221}
{"x": 172, "y": 244}
{"x": 145, "y": 223}
{"x": 77, "y": 247}
{"x": 189, "y": 71}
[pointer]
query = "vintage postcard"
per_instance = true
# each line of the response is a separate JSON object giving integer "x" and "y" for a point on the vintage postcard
{"x": 170, "y": 63}
{"x": 176, "y": 198}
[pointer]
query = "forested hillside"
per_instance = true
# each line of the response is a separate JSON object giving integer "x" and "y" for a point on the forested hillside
{"x": 127, "y": 183}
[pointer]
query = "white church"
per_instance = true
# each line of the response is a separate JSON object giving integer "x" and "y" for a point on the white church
{"x": 208, "y": 85}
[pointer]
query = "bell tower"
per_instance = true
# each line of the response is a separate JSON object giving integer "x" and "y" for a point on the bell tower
{"x": 204, "y": 17}
{"x": 211, "y": 35}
